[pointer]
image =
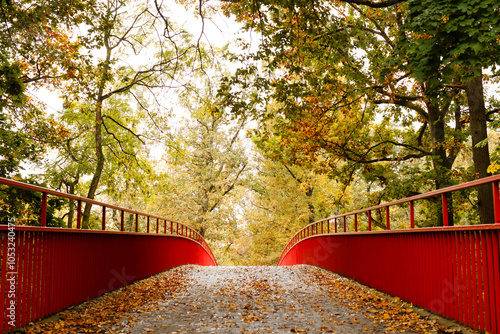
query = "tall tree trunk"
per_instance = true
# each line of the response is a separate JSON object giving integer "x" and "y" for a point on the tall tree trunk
{"x": 480, "y": 155}
{"x": 99, "y": 164}
{"x": 310, "y": 205}
{"x": 442, "y": 164}
{"x": 98, "y": 131}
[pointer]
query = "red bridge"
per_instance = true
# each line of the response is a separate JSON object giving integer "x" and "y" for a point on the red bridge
{"x": 453, "y": 271}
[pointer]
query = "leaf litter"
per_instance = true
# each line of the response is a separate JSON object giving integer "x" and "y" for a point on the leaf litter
{"x": 194, "y": 299}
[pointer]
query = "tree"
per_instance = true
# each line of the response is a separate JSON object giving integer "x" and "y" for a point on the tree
{"x": 124, "y": 31}
{"x": 342, "y": 101}
{"x": 284, "y": 199}
{"x": 126, "y": 166}
{"x": 448, "y": 43}
{"x": 206, "y": 165}
{"x": 37, "y": 51}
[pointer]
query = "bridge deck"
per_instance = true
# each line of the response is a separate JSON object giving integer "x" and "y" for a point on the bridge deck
{"x": 193, "y": 299}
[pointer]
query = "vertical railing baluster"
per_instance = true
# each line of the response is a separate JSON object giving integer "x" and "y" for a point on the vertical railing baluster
{"x": 496, "y": 201}
{"x": 122, "y": 220}
{"x": 147, "y": 225}
{"x": 369, "y": 220}
{"x": 345, "y": 225}
{"x": 79, "y": 214}
{"x": 387, "y": 218}
{"x": 157, "y": 225}
{"x": 336, "y": 225}
{"x": 103, "y": 220}
{"x": 412, "y": 215}
{"x": 136, "y": 222}
{"x": 43, "y": 218}
{"x": 355, "y": 222}
{"x": 444, "y": 202}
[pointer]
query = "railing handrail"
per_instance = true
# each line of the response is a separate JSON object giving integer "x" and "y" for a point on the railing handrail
{"x": 32, "y": 187}
{"x": 194, "y": 235}
{"x": 494, "y": 180}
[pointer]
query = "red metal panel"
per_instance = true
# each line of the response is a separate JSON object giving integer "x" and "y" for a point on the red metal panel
{"x": 495, "y": 314}
{"x": 468, "y": 272}
{"x": 461, "y": 263}
{"x": 24, "y": 273}
{"x": 481, "y": 279}
{"x": 454, "y": 264}
{"x": 447, "y": 264}
{"x": 476, "y": 297}
{"x": 47, "y": 255}
{"x": 489, "y": 303}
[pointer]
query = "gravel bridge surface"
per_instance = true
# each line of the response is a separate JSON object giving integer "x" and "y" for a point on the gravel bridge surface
{"x": 194, "y": 299}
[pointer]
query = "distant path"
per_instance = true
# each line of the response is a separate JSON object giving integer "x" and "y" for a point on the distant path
{"x": 299, "y": 299}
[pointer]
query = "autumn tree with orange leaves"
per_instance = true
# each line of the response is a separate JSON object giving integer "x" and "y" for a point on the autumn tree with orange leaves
{"x": 346, "y": 107}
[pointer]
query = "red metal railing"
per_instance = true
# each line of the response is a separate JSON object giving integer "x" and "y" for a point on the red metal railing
{"x": 330, "y": 224}
{"x": 175, "y": 228}
{"x": 46, "y": 269}
{"x": 451, "y": 270}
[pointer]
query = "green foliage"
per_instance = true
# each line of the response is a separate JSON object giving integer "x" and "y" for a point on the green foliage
{"x": 442, "y": 38}
{"x": 26, "y": 206}
{"x": 284, "y": 199}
